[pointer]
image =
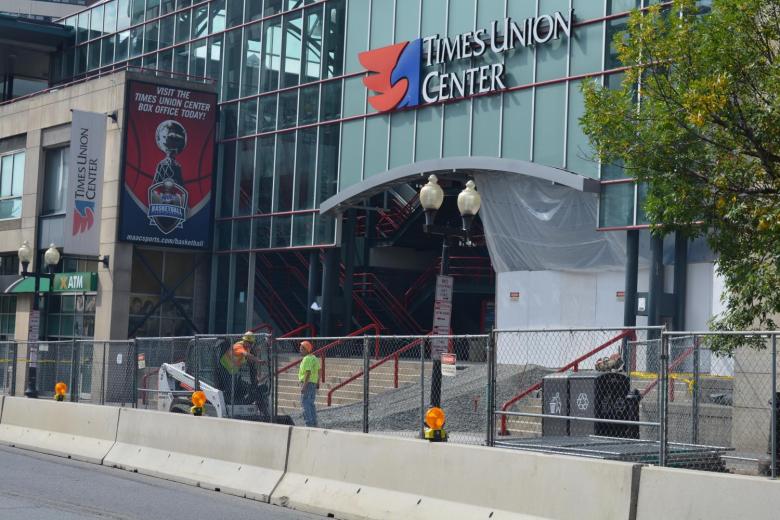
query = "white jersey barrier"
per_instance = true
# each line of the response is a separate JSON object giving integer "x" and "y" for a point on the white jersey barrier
{"x": 240, "y": 458}
{"x": 358, "y": 476}
{"x": 677, "y": 494}
{"x": 79, "y": 431}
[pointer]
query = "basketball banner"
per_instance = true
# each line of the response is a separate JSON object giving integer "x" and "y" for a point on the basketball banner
{"x": 85, "y": 184}
{"x": 168, "y": 166}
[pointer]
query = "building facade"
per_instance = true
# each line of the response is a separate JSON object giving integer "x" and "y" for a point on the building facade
{"x": 318, "y": 165}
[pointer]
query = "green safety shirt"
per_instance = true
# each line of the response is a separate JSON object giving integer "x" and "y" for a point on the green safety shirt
{"x": 310, "y": 363}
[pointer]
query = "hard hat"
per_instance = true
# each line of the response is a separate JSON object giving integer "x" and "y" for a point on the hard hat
{"x": 307, "y": 346}
{"x": 249, "y": 337}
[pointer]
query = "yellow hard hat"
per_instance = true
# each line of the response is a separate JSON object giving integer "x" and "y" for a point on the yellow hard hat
{"x": 249, "y": 337}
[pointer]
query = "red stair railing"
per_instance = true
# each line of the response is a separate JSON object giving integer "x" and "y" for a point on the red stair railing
{"x": 322, "y": 351}
{"x": 574, "y": 365}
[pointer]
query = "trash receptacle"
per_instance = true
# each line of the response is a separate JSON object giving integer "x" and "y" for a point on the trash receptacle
{"x": 555, "y": 401}
{"x": 592, "y": 394}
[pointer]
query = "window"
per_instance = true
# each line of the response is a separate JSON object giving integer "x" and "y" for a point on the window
{"x": 55, "y": 181}
{"x": 11, "y": 179}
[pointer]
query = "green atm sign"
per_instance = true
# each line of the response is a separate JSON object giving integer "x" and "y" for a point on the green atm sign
{"x": 63, "y": 282}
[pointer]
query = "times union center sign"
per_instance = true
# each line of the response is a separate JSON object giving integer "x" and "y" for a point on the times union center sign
{"x": 400, "y": 75}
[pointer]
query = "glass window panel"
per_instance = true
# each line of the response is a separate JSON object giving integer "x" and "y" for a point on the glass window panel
{"x": 235, "y": 12}
{"x": 166, "y": 31}
{"x": 246, "y": 173}
{"x": 358, "y": 23}
{"x": 580, "y": 154}
{"x": 232, "y": 69}
{"x": 324, "y": 230}
{"x": 309, "y": 104}
{"x": 351, "y": 153}
{"x": 587, "y": 9}
{"x": 200, "y": 21}
{"x": 142, "y": 280}
{"x": 516, "y": 136}
{"x": 264, "y": 175}
{"x": 312, "y": 46}
{"x": 281, "y": 231}
{"x": 586, "y": 49}
{"x": 94, "y": 55}
{"x": 267, "y": 113}
{"x": 333, "y": 53}
{"x": 288, "y": 108}
{"x": 375, "y": 155}
{"x": 327, "y": 162}
{"x": 181, "y": 59}
{"x": 152, "y": 9}
{"x": 382, "y": 31}
{"x": 241, "y": 233}
{"x": 10, "y": 208}
{"x": 428, "y": 141}
{"x": 81, "y": 59}
{"x": 214, "y": 67}
{"x": 305, "y": 168}
{"x": 551, "y": 58}
{"x": 272, "y": 52}
{"x": 456, "y": 129}
{"x": 641, "y": 214}
{"x": 272, "y": 7}
{"x": 198, "y": 58}
{"x": 303, "y": 225}
{"x": 182, "y": 26}
{"x": 137, "y": 12}
{"x": 261, "y": 233}
{"x": 407, "y": 17}
{"x": 354, "y": 97}
{"x": 167, "y": 6}
{"x": 616, "y": 205}
{"x": 151, "y": 37}
{"x": 123, "y": 14}
{"x": 330, "y": 107}
{"x": 82, "y": 34}
{"x": 96, "y": 23}
{"x": 253, "y": 10}
{"x": 227, "y": 176}
{"x": 178, "y": 268}
{"x": 285, "y": 164}
{"x": 224, "y": 230}
{"x": 293, "y": 25}
{"x": 165, "y": 61}
{"x": 136, "y": 41}
{"x": 122, "y": 46}
{"x": 217, "y": 16}
{"x": 549, "y": 125}
{"x": 55, "y": 176}
{"x": 401, "y": 138}
{"x": 614, "y": 27}
{"x": 229, "y": 120}
{"x": 150, "y": 61}
{"x": 107, "y": 51}
{"x": 251, "y": 74}
{"x": 240, "y": 293}
{"x": 621, "y": 6}
{"x": 6, "y": 175}
{"x": 248, "y": 117}
{"x": 485, "y": 133}
{"x": 17, "y": 185}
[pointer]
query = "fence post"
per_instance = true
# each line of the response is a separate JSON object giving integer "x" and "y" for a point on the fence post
{"x": 422, "y": 387}
{"x": 366, "y": 365}
{"x": 491, "y": 388}
{"x": 14, "y": 363}
{"x": 773, "y": 427}
{"x": 134, "y": 360}
{"x": 664, "y": 397}
{"x": 696, "y": 391}
{"x": 74, "y": 364}
{"x": 274, "y": 382}
{"x": 103, "y": 376}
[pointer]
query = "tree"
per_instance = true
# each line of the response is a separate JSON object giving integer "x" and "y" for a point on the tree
{"x": 697, "y": 118}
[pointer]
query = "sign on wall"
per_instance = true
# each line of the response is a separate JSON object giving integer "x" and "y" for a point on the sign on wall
{"x": 85, "y": 184}
{"x": 168, "y": 166}
{"x": 408, "y": 74}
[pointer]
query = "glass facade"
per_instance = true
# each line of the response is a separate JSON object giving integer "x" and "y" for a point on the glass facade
{"x": 11, "y": 181}
{"x": 295, "y": 124}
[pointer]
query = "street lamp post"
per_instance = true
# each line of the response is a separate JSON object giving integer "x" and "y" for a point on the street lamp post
{"x": 51, "y": 258}
{"x": 431, "y": 199}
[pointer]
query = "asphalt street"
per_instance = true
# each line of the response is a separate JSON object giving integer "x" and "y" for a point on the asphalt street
{"x": 43, "y": 487}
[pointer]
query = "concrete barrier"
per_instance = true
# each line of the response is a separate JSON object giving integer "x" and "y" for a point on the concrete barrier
{"x": 79, "y": 431}
{"x": 357, "y": 476}
{"x": 674, "y": 494}
{"x": 240, "y": 458}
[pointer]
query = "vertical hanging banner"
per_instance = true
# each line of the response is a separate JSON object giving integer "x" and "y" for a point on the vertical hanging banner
{"x": 85, "y": 183}
{"x": 168, "y": 166}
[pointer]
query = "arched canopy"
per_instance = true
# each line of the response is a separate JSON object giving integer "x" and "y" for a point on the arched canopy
{"x": 454, "y": 167}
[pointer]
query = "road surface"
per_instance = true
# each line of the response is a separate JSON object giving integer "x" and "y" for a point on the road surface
{"x": 42, "y": 487}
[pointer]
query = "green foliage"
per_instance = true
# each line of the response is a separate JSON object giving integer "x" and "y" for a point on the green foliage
{"x": 697, "y": 119}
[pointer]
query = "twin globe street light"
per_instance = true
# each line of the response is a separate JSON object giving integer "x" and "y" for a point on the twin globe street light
{"x": 431, "y": 199}
{"x": 51, "y": 258}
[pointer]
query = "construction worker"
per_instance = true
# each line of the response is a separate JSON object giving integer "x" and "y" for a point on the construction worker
{"x": 231, "y": 362}
{"x": 309, "y": 378}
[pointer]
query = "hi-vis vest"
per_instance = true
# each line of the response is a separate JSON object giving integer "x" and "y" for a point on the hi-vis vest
{"x": 231, "y": 362}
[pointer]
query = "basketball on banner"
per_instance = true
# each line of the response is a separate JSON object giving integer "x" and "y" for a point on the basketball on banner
{"x": 169, "y": 166}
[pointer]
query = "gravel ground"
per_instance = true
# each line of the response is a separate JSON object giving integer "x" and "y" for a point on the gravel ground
{"x": 398, "y": 411}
